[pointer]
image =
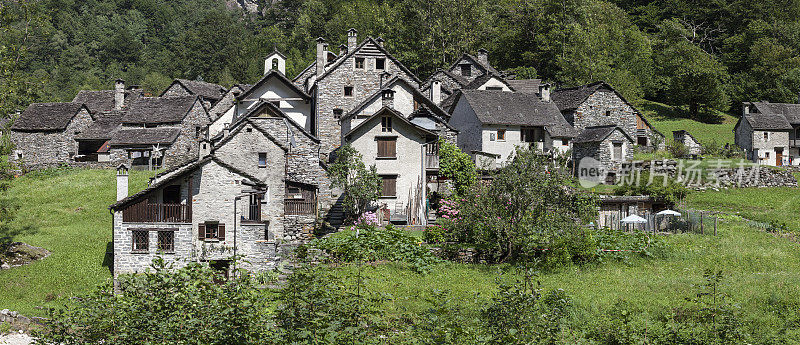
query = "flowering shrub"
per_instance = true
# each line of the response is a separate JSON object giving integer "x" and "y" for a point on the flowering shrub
{"x": 368, "y": 219}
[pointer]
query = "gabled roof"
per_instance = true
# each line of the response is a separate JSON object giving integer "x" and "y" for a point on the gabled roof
{"x": 788, "y": 110}
{"x": 455, "y": 77}
{"x": 102, "y": 128}
{"x": 388, "y": 86}
{"x": 474, "y": 59}
{"x": 277, "y": 111}
{"x": 380, "y": 47}
{"x": 389, "y": 111}
{"x": 598, "y": 133}
{"x": 262, "y": 129}
{"x": 103, "y": 100}
{"x": 771, "y": 122}
{"x": 514, "y": 108}
{"x": 278, "y": 75}
{"x": 47, "y": 116}
{"x": 482, "y": 79}
{"x": 144, "y": 136}
{"x": 684, "y": 132}
{"x": 208, "y": 91}
{"x": 181, "y": 171}
{"x": 159, "y": 109}
{"x": 525, "y": 85}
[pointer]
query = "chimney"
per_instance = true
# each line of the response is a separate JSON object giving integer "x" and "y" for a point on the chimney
{"x": 320, "y": 56}
{"x": 122, "y": 181}
{"x": 379, "y": 41}
{"x": 342, "y": 50}
{"x": 352, "y": 39}
{"x": 483, "y": 56}
{"x": 436, "y": 91}
{"x": 384, "y": 78}
{"x": 387, "y": 98}
{"x": 745, "y": 108}
{"x": 544, "y": 92}
{"x": 119, "y": 94}
{"x": 205, "y": 148}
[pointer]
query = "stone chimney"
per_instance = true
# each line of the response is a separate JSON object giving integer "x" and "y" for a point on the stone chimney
{"x": 321, "y": 56}
{"x": 387, "y": 98}
{"x": 483, "y": 56}
{"x": 119, "y": 94}
{"x": 544, "y": 92}
{"x": 352, "y": 39}
{"x": 122, "y": 181}
{"x": 745, "y": 108}
{"x": 436, "y": 91}
{"x": 380, "y": 41}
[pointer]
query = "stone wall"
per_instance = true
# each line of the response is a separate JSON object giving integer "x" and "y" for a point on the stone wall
{"x": 732, "y": 177}
{"x": 39, "y": 149}
{"x": 602, "y": 151}
{"x": 592, "y": 112}
{"x": 187, "y": 146}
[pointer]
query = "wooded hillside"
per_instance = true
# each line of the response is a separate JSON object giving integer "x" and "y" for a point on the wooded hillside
{"x": 696, "y": 54}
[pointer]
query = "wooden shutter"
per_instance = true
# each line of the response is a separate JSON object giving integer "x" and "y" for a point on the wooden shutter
{"x": 221, "y": 232}
{"x": 381, "y": 148}
{"x": 391, "y": 148}
{"x": 201, "y": 231}
{"x": 389, "y": 186}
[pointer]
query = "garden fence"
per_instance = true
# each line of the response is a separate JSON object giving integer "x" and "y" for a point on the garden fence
{"x": 690, "y": 221}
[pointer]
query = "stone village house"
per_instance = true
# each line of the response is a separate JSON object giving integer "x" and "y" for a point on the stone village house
{"x": 609, "y": 145}
{"x": 769, "y": 133}
{"x": 692, "y": 145}
{"x": 44, "y": 134}
{"x": 209, "y": 93}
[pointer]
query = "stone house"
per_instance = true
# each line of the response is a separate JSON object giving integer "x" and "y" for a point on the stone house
{"x": 99, "y": 101}
{"x": 492, "y": 124}
{"x": 609, "y": 145}
{"x": 108, "y": 107}
{"x": 209, "y": 93}
{"x": 766, "y": 135}
{"x": 338, "y": 83}
{"x": 599, "y": 104}
{"x": 160, "y": 131}
{"x": 686, "y": 138}
{"x": 221, "y": 113}
{"x": 44, "y": 134}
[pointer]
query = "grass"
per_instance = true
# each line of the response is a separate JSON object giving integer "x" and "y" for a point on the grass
{"x": 760, "y": 204}
{"x": 68, "y": 213}
{"x": 666, "y": 119}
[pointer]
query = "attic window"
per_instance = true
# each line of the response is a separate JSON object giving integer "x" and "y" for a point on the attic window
{"x": 348, "y": 91}
{"x": 380, "y": 64}
{"x": 249, "y": 130}
{"x": 766, "y": 136}
{"x": 275, "y": 64}
{"x": 386, "y": 124}
{"x": 337, "y": 113}
{"x": 262, "y": 159}
{"x": 359, "y": 63}
{"x": 608, "y": 113}
{"x": 466, "y": 70}
{"x": 494, "y": 88}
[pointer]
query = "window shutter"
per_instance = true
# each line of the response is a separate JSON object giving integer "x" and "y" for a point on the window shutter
{"x": 381, "y": 148}
{"x": 201, "y": 231}
{"x": 391, "y": 148}
{"x": 221, "y": 232}
{"x": 392, "y": 186}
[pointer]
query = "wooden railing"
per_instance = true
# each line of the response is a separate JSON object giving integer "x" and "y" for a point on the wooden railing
{"x": 794, "y": 143}
{"x": 431, "y": 161}
{"x": 298, "y": 207}
{"x": 144, "y": 212}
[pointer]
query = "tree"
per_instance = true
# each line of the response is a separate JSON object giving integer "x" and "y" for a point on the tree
{"x": 362, "y": 185}
{"x": 457, "y": 166}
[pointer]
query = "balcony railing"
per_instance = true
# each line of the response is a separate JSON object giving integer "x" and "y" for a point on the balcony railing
{"x": 144, "y": 212}
{"x": 794, "y": 143}
{"x": 298, "y": 207}
{"x": 432, "y": 162}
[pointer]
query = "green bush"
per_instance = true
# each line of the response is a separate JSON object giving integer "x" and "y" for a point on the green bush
{"x": 668, "y": 190}
{"x": 370, "y": 243}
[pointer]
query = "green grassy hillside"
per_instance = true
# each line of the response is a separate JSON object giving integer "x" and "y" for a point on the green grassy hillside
{"x": 666, "y": 119}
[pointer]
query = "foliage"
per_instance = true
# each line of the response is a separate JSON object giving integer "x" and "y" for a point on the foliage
{"x": 677, "y": 149}
{"x": 456, "y": 165}
{"x": 622, "y": 245}
{"x": 444, "y": 321}
{"x": 370, "y": 243}
{"x": 657, "y": 186}
{"x": 728, "y": 151}
{"x": 362, "y": 185}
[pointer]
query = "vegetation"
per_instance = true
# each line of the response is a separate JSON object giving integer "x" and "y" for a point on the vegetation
{"x": 458, "y": 166}
{"x": 362, "y": 185}
{"x": 659, "y": 187}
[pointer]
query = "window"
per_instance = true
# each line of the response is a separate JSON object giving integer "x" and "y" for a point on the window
{"x": 387, "y": 147}
{"x": 494, "y": 88}
{"x": 380, "y": 64}
{"x": 254, "y": 208}
{"x": 466, "y": 70}
{"x": 274, "y": 64}
{"x": 166, "y": 241}
{"x": 501, "y": 135}
{"x": 337, "y": 113}
{"x": 19, "y": 154}
{"x": 766, "y": 154}
{"x": 608, "y": 113}
{"x": 171, "y": 194}
{"x": 211, "y": 231}
{"x": 197, "y": 131}
{"x": 492, "y": 136}
{"x": 766, "y": 136}
{"x": 564, "y": 142}
{"x": 617, "y": 154}
{"x": 262, "y": 159}
{"x": 294, "y": 193}
{"x": 386, "y": 124}
{"x": 531, "y": 135}
{"x": 348, "y": 91}
{"x": 389, "y": 186}
{"x": 360, "y": 62}
{"x": 141, "y": 241}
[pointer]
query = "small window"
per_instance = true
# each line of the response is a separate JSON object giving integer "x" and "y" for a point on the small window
{"x": 386, "y": 124}
{"x": 387, "y": 148}
{"x": 766, "y": 136}
{"x": 19, "y": 154}
{"x": 360, "y": 62}
{"x": 211, "y": 231}
{"x": 501, "y": 135}
{"x": 197, "y": 131}
{"x": 249, "y": 130}
{"x": 494, "y": 88}
{"x": 466, "y": 70}
{"x": 608, "y": 113}
{"x": 564, "y": 142}
{"x": 141, "y": 241}
{"x": 617, "y": 154}
{"x": 262, "y": 159}
{"x": 492, "y": 136}
{"x": 766, "y": 154}
{"x": 274, "y": 64}
{"x": 389, "y": 186}
{"x": 166, "y": 241}
{"x": 348, "y": 91}
{"x": 380, "y": 64}
{"x": 337, "y": 113}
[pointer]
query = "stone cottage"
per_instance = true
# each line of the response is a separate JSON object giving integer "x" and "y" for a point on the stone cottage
{"x": 609, "y": 145}
{"x": 692, "y": 145}
{"x": 492, "y": 124}
{"x": 769, "y": 133}
{"x": 599, "y": 104}
{"x": 99, "y": 101}
{"x": 221, "y": 113}
{"x": 160, "y": 131}
{"x": 209, "y": 93}
{"x": 44, "y": 134}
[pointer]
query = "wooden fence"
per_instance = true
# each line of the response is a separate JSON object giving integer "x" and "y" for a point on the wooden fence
{"x": 690, "y": 221}
{"x": 298, "y": 207}
{"x": 144, "y": 212}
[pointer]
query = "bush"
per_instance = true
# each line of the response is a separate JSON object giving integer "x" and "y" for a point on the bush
{"x": 677, "y": 149}
{"x": 370, "y": 243}
{"x": 665, "y": 189}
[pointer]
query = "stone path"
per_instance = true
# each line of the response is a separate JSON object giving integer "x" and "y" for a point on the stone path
{"x": 16, "y": 339}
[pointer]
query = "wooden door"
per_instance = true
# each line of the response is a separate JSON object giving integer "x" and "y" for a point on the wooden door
{"x": 778, "y": 156}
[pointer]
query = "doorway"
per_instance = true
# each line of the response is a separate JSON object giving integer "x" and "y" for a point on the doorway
{"x": 778, "y": 156}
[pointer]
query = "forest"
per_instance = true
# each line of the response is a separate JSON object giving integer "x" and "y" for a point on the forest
{"x": 697, "y": 55}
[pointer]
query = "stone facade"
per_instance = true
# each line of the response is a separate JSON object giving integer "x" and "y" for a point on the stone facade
{"x": 34, "y": 149}
{"x": 603, "y": 152}
{"x": 692, "y": 145}
{"x": 763, "y": 146}
{"x": 606, "y": 107}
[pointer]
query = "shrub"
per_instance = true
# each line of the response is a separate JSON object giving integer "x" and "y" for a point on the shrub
{"x": 677, "y": 149}
{"x": 361, "y": 184}
{"x": 456, "y": 165}
{"x": 666, "y": 189}
{"x": 369, "y": 243}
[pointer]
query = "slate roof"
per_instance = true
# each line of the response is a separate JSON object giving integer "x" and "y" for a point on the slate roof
{"x": 788, "y": 110}
{"x": 144, "y": 136}
{"x": 380, "y": 47}
{"x": 515, "y": 108}
{"x": 385, "y": 110}
{"x": 598, "y": 133}
{"x": 47, "y": 116}
{"x": 525, "y": 85}
{"x": 486, "y": 66}
{"x": 479, "y": 81}
{"x": 279, "y": 76}
{"x": 418, "y": 96}
{"x": 103, "y": 100}
{"x": 571, "y": 98}
{"x": 767, "y": 122}
{"x": 103, "y": 126}
{"x": 159, "y": 109}
{"x": 208, "y": 91}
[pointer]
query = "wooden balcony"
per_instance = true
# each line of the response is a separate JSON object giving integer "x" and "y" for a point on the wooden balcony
{"x": 431, "y": 162}
{"x": 144, "y": 212}
{"x": 298, "y": 207}
{"x": 794, "y": 142}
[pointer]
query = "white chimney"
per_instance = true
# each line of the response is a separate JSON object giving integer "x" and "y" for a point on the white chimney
{"x": 119, "y": 94}
{"x": 320, "y": 56}
{"x": 436, "y": 91}
{"x": 380, "y": 41}
{"x": 544, "y": 92}
{"x": 387, "y": 99}
{"x": 122, "y": 181}
{"x": 746, "y": 108}
{"x": 483, "y": 56}
{"x": 352, "y": 40}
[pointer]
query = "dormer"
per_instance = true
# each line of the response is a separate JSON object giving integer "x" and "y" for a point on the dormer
{"x": 275, "y": 61}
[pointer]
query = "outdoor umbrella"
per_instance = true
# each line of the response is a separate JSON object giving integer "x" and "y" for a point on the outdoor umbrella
{"x": 633, "y": 219}
{"x": 668, "y": 213}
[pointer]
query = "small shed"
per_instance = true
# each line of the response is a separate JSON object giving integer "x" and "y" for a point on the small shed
{"x": 685, "y": 138}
